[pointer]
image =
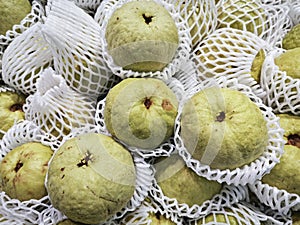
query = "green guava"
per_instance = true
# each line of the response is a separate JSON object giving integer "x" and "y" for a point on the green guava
{"x": 153, "y": 219}
{"x": 69, "y": 222}
{"x": 90, "y": 178}
{"x": 296, "y": 217}
{"x": 178, "y": 181}
{"x": 23, "y": 171}
{"x": 223, "y": 128}
{"x": 142, "y": 36}
{"x": 292, "y": 38}
{"x": 141, "y": 112}
{"x": 11, "y": 109}
{"x": 257, "y": 65}
{"x": 242, "y": 15}
{"x": 289, "y": 62}
{"x": 12, "y": 12}
{"x": 284, "y": 174}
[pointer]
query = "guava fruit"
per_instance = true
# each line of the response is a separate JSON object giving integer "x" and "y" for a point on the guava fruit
{"x": 12, "y": 12}
{"x": 23, "y": 171}
{"x": 242, "y": 15}
{"x": 223, "y": 128}
{"x": 90, "y": 178}
{"x": 257, "y": 65}
{"x": 69, "y": 222}
{"x": 141, "y": 112}
{"x": 296, "y": 217}
{"x": 11, "y": 109}
{"x": 289, "y": 62}
{"x": 284, "y": 174}
{"x": 292, "y": 38}
{"x": 142, "y": 36}
{"x": 153, "y": 219}
{"x": 178, "y": 181}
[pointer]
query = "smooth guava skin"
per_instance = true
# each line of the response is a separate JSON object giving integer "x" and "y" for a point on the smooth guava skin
{"x": 223, "y": 143}
{"x": 127, "y": 117}
{"x": 184, "y": 184}
{"x": 9, "y": 114}
{"x": 289, "y": 62}
{"x": 12, "y": 12}
{"x": 81, "y": 191}
{"x": 137, "y": 32}
{"x": 23, "y": 171}
{"x": 285, "y": 174}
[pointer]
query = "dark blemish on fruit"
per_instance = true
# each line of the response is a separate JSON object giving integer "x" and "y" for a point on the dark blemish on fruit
{"x": 148, "y": 19}
{"x": 85, "y": 160}
{"x": 220, "y": 117}
{"x": 62, "y": 169}
{"x": 62, "y": 177}
{"x": 18, "y": 166}
{"x": 147, "y": 103}
{"x": 294, "y": 139}
{"x": 16, "y": 107}
{"x": 166, "y": 105}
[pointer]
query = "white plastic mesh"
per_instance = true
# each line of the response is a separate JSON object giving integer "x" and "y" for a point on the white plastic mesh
{"x": 277, "y": 199}
{"x": 228, "y": 196}
{"x": 282, "y": 91}
{"x": 294, "y": 11}
{"x": 76, "y": 44}
{"x": 104, "y": 12}
{"x": 25, "y": 59}
{"x": 88, "y": 4}
{"x": 229, "y": 53}
{"x": 57, "y": 109}
{"x": 247, "y": 173}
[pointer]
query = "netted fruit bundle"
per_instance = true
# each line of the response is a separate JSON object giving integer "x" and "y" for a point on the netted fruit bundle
{"x": 154, "y": 54}
{"x": 75, "y": 41}
{"x": 25, "y": 58}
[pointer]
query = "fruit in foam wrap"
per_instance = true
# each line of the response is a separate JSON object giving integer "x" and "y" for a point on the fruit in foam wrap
{"x": 90, "y": 178}
{"x": 289, "y": 62}
{"x": 23, "y": 171}
{"x": 141, "y": 112}
{"x": 292, "y": 38}
{"x": 142, "y": 36}
{"x": 223, "y": 128}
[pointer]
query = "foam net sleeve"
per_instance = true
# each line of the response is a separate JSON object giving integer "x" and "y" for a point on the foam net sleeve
{"x": 294, "y": 11}
{"x": 104, "y": 12}
{"x": 25, "y": 59}
{"x": 282, "y": 91}
{"x": 76, "y": 44}
{"x": 248, "y": 173}
{"x": 59, "y": 110}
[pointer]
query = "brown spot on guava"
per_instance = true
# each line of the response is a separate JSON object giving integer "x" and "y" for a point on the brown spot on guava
{"x": 220, "y": 117}
{"x": 85, "y": 160}
{"x": 166, "y": 105}
{"x": 62, "y": 169}
{"x": 18, "y": 166}
{"x": 147, "y": 103}
{"x": 16, "y": 107}
{"x": 148, "y": 19}
{"x": 294, "y": 139}
{"x": 62, "y": 177}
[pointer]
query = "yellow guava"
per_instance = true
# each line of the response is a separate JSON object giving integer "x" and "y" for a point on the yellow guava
{"x": 223, "y": 128}
{"x": 289, "y": 62}
{"x": 141, "y": 112}
{"x": 91, "y": 177}
{"x": 257, "y": 65}
{"x": 142, "y": 36}
{"x": 180, "y": 182}
{"x": 284, "y": 174}
{"x": 23, "y": 171}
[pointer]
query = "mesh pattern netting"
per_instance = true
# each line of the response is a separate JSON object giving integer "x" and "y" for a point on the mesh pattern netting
{"x": 264, "y": 20}
{"x": 76, "y": 44}
{"x": 294, "y": 11}
{"x": 239, "y": 213}
{"x": 25, "y": 59}
{"x": 59, "y": 110}
{"x": 247, "y": 173}
{"x": 229, "y": 53}
{"x": 166, "y": 148}
{"x": 282, "y": 91}
{"x": 106, "y": 9}
{"x": 277, "y": 199}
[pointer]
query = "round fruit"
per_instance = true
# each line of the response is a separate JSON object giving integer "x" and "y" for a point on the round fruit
{"x": 142, "y": 36}
{"x": 292, "y": 38}
{"x": 23, "y": 171}
{"x": 141, "y": 112}
{"x": 223, "y": 128}
{"x": 284, "y": 175}
{"x": 90, "y": 178}
{"x": 12, "y": 12}
{"x": 289, "y": 62}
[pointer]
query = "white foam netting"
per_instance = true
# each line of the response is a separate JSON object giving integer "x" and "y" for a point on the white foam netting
{"x": 228, "y": 196}
{"x": 75, "y": 40}
{"x": 149, "y": 206}
{"x": 104, "y": 12}
{"x": 267, "y": 21}
{"x": 144, "y": 179}
{"x": 248, "y": 173}
{"x": 282, "y": 91}
{"x": 238, "y": 213}
{"x": 36, "y": 15}
{"x": 25, "y": 58}
{"x": 57, "y": 109}
{"x": 229, "y": 53}
{"x": 294, "y": 11}
{"x": 277, "y": 199}
{"x": 87, "y": 4}
{"x": 166, "y": 148}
